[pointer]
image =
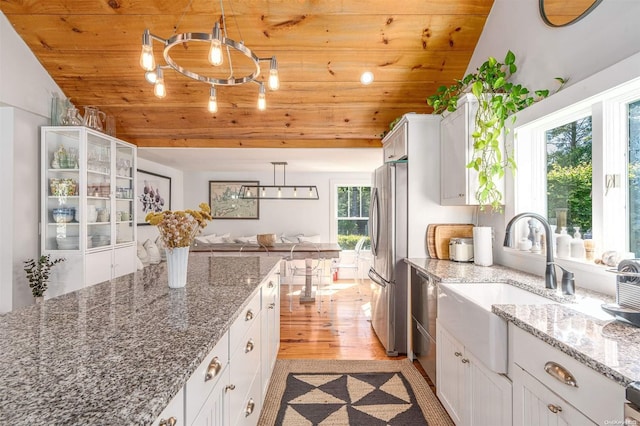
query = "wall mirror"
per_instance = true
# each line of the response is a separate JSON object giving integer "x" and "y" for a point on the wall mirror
{"x": 560, "y": 13}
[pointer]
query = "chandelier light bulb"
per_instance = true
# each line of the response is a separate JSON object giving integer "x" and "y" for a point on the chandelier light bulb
{"x": 310, "y": 192}
{"x": 151, "y": 76}
{"x": 159, "y": 88}
{"x": 264, "y": 192}
{"x": 147, "y": 61}
{"x": 295, "y": 191}
{"x": 274, "y": 81}
{"x": 279, "y": 192}
{"x": 213, "y": 100}
{"x": 262, "y": 101}
{"x": 215, "y": 50}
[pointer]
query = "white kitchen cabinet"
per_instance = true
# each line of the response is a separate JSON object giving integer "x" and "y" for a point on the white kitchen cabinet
{"x": 88, "y": 210}
{"x": 471, "y": 393}
{"x": 549, "y": 384}
{"x": 458, "y": 184}
{"x": 173, "y": 413}
{"x": 394, "y": 144}
{"x": 535, "y": 405}
{"x": 215, "y": 410}
{"x": 270, "y": 328}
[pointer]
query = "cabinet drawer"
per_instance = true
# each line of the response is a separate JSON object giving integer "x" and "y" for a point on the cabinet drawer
{"x": 247, "y": 317}
{"x": 245, "y": 367}
{"x": 600, "y": 398}
{"x": 269, "y": 288}
{"x": 249, "y": 410}
{"x": 204, "y": 379}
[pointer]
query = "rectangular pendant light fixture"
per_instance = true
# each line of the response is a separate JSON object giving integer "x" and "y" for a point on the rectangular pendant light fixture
{"x": 279, "y": 191}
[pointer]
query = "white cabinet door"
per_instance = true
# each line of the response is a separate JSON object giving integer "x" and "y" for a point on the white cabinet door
{"x": 174, "y": 411}
{"x": 471, "y": 393}
{"x": 454, "y": 130}
{"x": 215, "y": 410}
{"x": 450, "y": 374}
{"x": 270, "y": 328}
{"x": 124, "y": 261}
{"x": 489, "y": 396}
{"x": 394, "y": 145}
{"x": 535, "y": 405}
{"x": 98, "y": 266}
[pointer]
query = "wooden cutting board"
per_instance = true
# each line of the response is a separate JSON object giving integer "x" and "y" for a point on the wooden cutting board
{"x": 431, "y": 239}
{"x": 444, "y": 232}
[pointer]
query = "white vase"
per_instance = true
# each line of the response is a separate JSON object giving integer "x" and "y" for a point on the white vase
{"x": 177, "y": 261}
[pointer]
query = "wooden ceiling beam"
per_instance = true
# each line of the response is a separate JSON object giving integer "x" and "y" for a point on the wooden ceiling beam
{"x": 255, "y": 143}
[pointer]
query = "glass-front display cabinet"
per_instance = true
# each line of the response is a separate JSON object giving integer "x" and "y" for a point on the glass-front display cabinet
{"x": 88, "y": 214}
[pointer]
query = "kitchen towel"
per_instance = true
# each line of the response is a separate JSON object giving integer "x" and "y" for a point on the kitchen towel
{"x": 483, "y": 245}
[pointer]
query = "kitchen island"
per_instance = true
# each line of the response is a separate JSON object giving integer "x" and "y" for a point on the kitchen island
{"x": 119, "y": 351}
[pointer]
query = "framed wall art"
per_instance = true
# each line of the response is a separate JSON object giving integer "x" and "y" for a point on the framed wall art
{"x": 153, "y": 194}
{"x": 225, "y": 204}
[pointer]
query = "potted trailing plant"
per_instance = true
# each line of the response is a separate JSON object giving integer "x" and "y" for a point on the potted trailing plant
{"x": 498, "y": 98}
{"x": 38, "y": 272}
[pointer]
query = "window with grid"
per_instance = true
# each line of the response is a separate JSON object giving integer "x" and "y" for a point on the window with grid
{"x": 352, "y": 214}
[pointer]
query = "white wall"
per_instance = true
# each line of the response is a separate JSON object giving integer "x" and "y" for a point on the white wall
{"x": 26, "y": 90}
{"x": 291, "y": 217}
{"x": 177, "y": 194}
{"x": 605, "y": 37}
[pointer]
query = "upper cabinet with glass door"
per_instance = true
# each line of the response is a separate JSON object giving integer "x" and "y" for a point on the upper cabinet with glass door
{"x": 88, "y": 184}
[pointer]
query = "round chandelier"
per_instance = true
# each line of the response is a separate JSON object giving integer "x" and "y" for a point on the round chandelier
{"x": 218, "y": 45}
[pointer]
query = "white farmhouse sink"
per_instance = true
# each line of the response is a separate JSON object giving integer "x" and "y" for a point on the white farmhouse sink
{"x": 464, "y": 309}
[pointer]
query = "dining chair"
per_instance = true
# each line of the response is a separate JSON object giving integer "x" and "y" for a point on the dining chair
{"x": 311, "y": 269}
{"x": 354, "y": 265}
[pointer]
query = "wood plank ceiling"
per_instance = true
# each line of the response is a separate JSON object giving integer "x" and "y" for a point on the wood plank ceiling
{"x": 91, "y": 49}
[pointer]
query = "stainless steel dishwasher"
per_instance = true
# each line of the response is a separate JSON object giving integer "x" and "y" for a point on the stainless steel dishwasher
{"x": 424, "y": 309}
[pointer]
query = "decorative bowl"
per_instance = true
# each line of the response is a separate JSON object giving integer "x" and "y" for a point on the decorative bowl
{"x": 267, "y": 240}
{"x": 63, "y": 215}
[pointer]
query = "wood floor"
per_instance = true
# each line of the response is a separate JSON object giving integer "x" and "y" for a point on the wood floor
{"x": 341, "y": 330}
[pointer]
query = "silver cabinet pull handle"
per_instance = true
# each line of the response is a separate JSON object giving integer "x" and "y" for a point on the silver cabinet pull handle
{"x": 457, "y": 354}
{"x": 465, "y": 361}
{"x": 270, "y": 285}
{"x": 171, "y": 421}
{"x": 249, "y": 315}
{"x": 214, "y": 369}
{"x": 554, "y": 408}
{"x": 249, "y": 346}
{"x": 560, "y": 373}
{"x": 250, "y": 407}
{"x": 229, "y": 388}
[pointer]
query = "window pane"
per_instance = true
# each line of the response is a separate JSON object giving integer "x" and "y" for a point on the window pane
{"x": 366, "y": 199}
{"x": 343, "y": 201}
{"x": 634, "y": 178}
{"x": 569, "y": 171}
{"x": 354, "y": 207}
{"x": 353, "y": 215}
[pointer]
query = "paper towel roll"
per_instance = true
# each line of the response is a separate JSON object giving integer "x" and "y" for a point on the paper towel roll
{"x": 483, "y": 245}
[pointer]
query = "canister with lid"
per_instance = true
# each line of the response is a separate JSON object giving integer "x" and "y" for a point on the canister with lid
{"x": 461, "y": 249}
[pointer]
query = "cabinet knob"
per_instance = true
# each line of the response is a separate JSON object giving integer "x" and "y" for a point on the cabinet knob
{"x": 465, "y": 361}
{"x": 554, "y": 408}
{"x": 249, "y": 347}
{"x": 249, "y": 315}
{"x": 229, "y": 388}
{"x": 560, "y": 373}
{"x": 214, "y": 369}
{"x": 171, "y": 421}
{"x": 251, "y": 405}
{"x": 270, "y": 285}
{"x": 271, "y": 305}
{"x": 458, "y": 354}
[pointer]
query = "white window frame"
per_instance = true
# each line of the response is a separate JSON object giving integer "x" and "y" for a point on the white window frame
{"x": 604, "y": 96}
{"x": 333, "y": 203}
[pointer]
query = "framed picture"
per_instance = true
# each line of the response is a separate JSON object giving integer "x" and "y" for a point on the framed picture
{"x": 225, "y": 204}
{"x": 153, "y": 194}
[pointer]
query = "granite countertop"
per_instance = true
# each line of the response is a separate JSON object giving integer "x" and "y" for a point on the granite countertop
{"x": 576, "y": 325}
{"x": 117, "y": 352}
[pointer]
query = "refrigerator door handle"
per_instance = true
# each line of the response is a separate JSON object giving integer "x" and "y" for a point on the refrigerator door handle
{"x": 376, "y": 278}
{"x": 374, "y": 230}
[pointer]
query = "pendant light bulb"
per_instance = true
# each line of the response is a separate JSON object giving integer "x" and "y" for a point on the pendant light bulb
{"x": 279, "y": 192}
{"x": 213, "y": 101}
{"x": 159, "y": 88}
{"x": 262, "y": 101}
{"x": 274, "y": 81}
{"x": 295, "y": 191}
{"x": 147, "y": 61}
{"x": 215, "y": 50}
{"x": 310, "y": 192}
{"x": 264, "y": 192}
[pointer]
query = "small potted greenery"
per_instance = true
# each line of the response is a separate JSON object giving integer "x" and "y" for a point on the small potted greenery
{"x": 498, "y": 98}
{"x": 38, "y": 272}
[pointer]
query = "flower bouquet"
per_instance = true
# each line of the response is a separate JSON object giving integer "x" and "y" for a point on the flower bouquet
{"x": 177, "y": 231}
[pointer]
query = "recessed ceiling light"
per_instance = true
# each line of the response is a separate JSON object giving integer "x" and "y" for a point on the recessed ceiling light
{"x": 366, "y": 77}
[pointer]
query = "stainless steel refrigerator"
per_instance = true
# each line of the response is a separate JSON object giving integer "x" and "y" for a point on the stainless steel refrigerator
{"x": 389, "y": 234}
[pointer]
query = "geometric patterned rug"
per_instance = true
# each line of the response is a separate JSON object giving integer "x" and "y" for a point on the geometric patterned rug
{"x": 371, "y": 393}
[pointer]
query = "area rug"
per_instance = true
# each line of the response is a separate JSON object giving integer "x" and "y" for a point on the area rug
{"x": 345, "y": 392}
